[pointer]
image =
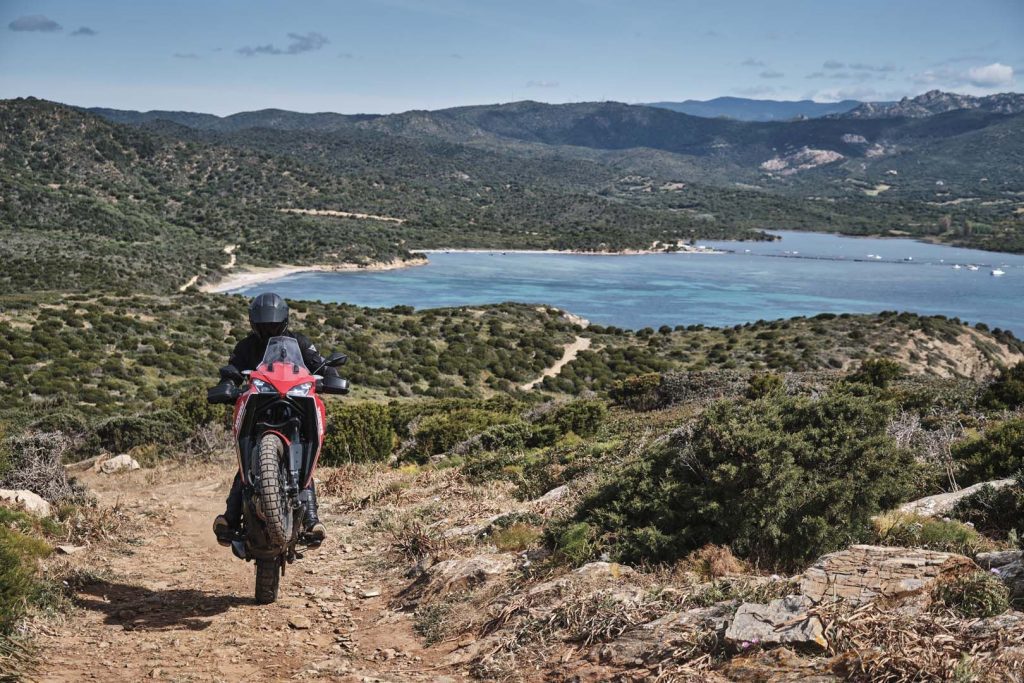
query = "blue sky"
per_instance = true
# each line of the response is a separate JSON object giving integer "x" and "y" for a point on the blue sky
{"x": 223, "y": 56}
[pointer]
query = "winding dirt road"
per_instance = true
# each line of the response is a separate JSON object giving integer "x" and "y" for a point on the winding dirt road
{"x": 572, "y": 349}
{"x": 173, "y": 605}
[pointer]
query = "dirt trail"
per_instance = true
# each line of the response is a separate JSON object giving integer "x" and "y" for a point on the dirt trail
{"x": 343, "y": 214}
{"x": 173, "y": 605}
{"x": 572, "y": 349}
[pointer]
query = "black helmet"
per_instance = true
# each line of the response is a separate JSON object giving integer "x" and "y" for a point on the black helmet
{"x": 268, "y": 315}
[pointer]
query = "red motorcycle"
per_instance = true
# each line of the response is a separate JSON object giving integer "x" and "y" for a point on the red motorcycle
{"x": 278, "y": 428}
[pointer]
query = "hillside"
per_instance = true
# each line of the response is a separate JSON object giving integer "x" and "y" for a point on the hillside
{"x": 924, "y": 163}
{"x": 746, "y": 109}
{"x": 482, "y": 531}
{"x": 150, "y": 210}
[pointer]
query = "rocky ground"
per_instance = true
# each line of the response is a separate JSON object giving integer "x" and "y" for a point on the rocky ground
{"x": 425, "y": 578}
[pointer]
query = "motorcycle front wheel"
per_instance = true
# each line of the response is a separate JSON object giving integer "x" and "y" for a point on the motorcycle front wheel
{"x": 271, "y": 490}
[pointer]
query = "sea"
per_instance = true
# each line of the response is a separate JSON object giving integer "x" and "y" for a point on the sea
{"x": 801, "y": 274}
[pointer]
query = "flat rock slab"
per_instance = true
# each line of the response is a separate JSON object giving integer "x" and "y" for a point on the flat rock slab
{"x": 456, "y": 575}
{"x": 862, "y": 573}
{"x": 944, "y": 503}
{"x": 781, "y": 622}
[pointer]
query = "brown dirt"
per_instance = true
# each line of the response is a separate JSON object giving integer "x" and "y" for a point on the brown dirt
{"x": 173, "y": 605}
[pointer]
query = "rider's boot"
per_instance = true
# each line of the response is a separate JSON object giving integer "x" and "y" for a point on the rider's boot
{"x": 227, "y": 525}
{"x": 315, "y": 531}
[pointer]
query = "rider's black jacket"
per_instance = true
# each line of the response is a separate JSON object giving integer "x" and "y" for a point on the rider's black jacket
{"x": 249, "y": 352}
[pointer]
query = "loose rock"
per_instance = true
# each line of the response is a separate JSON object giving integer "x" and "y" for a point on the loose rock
{"x": 120, "y": 463}
{"x": 33, "y": 503}
{"x": 780, "y": 622}
{"x": 300, "y": 622}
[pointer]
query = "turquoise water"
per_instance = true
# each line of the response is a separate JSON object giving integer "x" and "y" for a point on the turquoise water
{"x": 829, "y": 274}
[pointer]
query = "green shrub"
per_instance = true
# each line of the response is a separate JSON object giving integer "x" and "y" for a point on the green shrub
{"x": 441, "y": 432}
{"x": 638, "y": 393}
{"x": 766, "y": 384}
{"x": 583, "y": 417}
{"x": 998, "y": 452}
{"x": 124, "y": 432}
{"x": 574, "y": 542}
{"x": 358, "y": 432}
{"x": 1007, "y": 391}
{"x": 779, "y": 481}
{"x": 998, "y": 513}
{"x": 973, "y": 596}
{"x": 190, "y": 402}
{"x": 878, "y": 372}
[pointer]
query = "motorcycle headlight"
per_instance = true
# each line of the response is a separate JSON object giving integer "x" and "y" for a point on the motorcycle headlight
{"x": 264, "y": 387}
{"x": 301, "y": 389}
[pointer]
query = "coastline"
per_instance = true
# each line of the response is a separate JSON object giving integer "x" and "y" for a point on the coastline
{"x": 261, "y": 274}
{"x": 571, "y": 252}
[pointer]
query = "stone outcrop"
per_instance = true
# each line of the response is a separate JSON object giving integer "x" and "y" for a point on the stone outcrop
{"x": 1009, "y": 566}
{"x": 455, "y": 575}
{"x": 943, "y": 503}
{"x": 651, "y": 642}
{"x": 863, "y": 572}
{"x": 785, "y": 621}
{"x": 32, "y": 503}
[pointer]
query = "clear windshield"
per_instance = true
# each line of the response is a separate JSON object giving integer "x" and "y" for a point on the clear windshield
{"x": 283, "y": 349}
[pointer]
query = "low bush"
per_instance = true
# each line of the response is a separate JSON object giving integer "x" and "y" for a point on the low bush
{"x": 441, "y": 432}
{"x": 638, "y": 393}
{"x": 765, "y": 384}
{"x": 915, "y": 531}
{"x": 582, "y": 417}
{"x": 996, "y": 453}
{"x": 998, "y": 513}
{"x": 36, "y": 463}
{"x": 877, "y": 372}
{"x": 1007, "y": 391}
{"x": 358, "y": 432}
{"x": 778, "y": 481}
{"x": 973, "y": 596}
{"x": 124, "y": 432}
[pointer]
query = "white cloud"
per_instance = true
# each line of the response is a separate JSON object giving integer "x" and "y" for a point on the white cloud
{"x": 985, "y": 77}
{"x": 990, "y": 75}
{"x": 771, "y": 74}
{"x": 83, "y": 31}
{"x": 542, "y": 84}
{"x": 750, "y": 61}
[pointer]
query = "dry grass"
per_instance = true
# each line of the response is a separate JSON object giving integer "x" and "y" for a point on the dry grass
{"x": 713, "y": 562}
{"x": 878, "y": 643}
{"x": 91, "y": 523}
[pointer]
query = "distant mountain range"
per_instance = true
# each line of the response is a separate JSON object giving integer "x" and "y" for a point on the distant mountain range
{"x": 744, "y": 109}
{"x": 928, "y": 104}
{"x": 937, "y": 102}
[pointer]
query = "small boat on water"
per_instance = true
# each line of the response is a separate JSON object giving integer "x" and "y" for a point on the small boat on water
{"x": 908, "y": 259}
{"x": 998, "y": 271}
{"x": 972, "y": 267}
{"x": 956, "y": 266}
{"x": 878, "y": 258}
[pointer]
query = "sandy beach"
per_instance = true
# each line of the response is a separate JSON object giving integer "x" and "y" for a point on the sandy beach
{"x": 574, "y": 252}
{"x": 256, "y": 275}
